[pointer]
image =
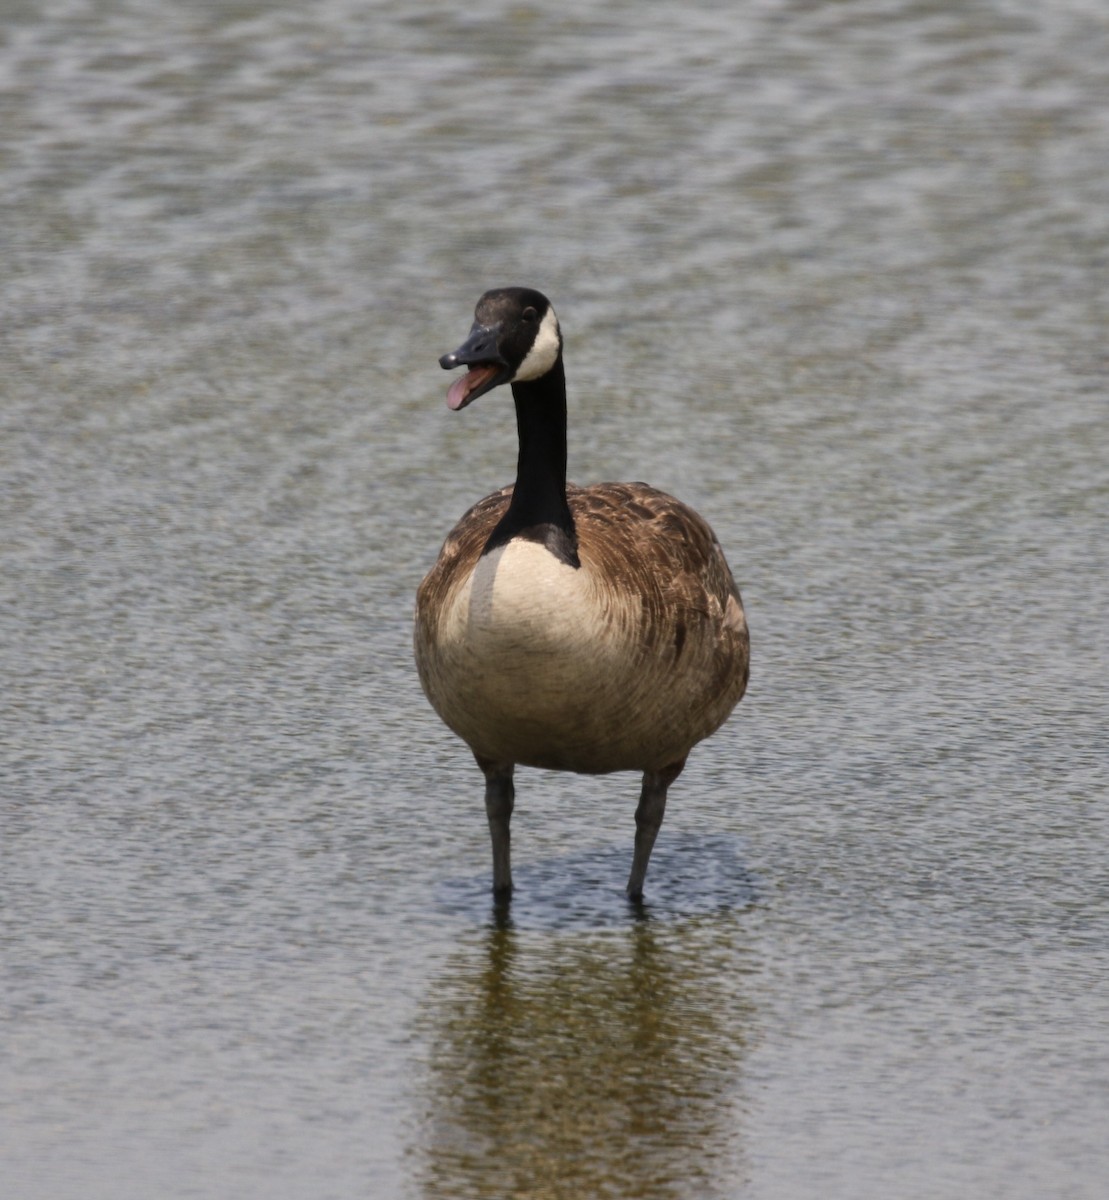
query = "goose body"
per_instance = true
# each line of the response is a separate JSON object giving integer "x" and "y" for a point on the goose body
{"x": 587, "y": 629}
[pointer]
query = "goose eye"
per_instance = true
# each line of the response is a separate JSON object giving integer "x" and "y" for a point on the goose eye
{"x": 529, "y": 314}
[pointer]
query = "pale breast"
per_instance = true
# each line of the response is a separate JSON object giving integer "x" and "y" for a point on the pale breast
{"x": 522, "y": 609}
{"x": 527, "y": 660}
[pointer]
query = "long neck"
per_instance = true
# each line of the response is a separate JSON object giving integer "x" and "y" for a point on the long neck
{"x": 538, "y": 510}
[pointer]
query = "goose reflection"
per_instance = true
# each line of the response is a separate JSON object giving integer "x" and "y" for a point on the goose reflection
{"x": 587, "y": 1066}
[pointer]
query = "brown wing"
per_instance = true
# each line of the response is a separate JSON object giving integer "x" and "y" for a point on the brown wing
{"x": 650, "y": 545}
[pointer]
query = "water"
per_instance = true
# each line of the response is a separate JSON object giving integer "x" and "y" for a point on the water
{"x": 836, "y": 274}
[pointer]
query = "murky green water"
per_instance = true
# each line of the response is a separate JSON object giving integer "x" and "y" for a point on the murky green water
{"x": 834, "y": 273}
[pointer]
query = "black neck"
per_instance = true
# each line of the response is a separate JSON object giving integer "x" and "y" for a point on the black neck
{"x": 538, "y": 510}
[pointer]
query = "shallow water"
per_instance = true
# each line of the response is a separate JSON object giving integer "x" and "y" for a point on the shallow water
{"x": 835, "y": 274}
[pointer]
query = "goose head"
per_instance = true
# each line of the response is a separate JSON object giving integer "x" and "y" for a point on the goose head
{"x": 515, "y": 339}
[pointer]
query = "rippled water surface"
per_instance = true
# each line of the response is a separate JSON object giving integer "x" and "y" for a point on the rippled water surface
{"x": 838, "y": 274}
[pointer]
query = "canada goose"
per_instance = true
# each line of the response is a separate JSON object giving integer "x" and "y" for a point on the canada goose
{"x": 587, "y": 629}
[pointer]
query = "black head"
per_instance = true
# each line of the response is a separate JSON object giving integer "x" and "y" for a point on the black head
{"x": 515, "y": 338}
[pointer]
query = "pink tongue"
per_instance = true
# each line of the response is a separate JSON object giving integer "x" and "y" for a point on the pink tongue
{"x": 459, "y": 392}
{"x": 456, "y": 393}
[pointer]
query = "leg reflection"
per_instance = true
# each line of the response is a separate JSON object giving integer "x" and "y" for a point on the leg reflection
{"x": 586, "y": 1065}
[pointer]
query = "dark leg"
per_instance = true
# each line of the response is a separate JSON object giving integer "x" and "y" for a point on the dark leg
{"x": 500, "y": 793}
{"x": 648, "y": 818}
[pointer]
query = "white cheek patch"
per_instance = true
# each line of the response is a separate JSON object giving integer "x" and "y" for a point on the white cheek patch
{"x": 544, "y": 350}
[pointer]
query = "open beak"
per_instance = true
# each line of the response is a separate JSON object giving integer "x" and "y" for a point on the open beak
{"x": 487, "y": 370}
